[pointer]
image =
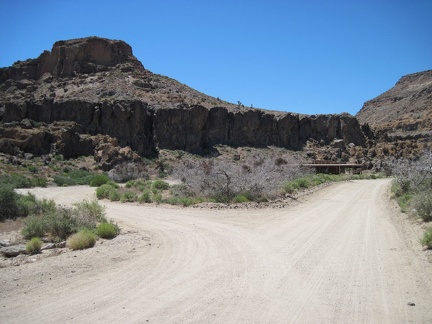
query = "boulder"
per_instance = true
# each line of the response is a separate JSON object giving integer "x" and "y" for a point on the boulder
{"x": 13, "y": 250}
{"x": 4, "y": 243}
{"x": 338, "y": 144}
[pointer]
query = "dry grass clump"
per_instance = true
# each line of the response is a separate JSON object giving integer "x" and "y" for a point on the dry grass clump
{"x": 34, "y": 245}
{"x": 84, "y": 239}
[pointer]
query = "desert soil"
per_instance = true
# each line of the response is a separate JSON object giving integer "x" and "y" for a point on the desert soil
{"x": 340, "y": 255}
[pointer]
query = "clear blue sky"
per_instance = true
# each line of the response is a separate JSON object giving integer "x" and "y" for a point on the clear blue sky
{"x": 300, "y": 56}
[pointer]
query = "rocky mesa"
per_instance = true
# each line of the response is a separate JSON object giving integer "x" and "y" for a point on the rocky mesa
{"x": 98, "y": 84}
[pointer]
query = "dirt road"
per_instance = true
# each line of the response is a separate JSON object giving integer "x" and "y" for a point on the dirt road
{"x": 337, "y": 256}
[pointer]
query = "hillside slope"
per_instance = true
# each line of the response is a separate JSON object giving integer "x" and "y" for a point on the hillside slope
{"x": 404, "y": 111}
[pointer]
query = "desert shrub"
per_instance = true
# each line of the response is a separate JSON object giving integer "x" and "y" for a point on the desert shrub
{"x": 73, "y": 177}
{"x": 188, "y": 201}
{"x": 27, "y": 203}
{"x": 240, "y": 199}
{"x": 128, "y": 196}
{"x": 157, "y": 198}
{"x": 88, "y": 214}
{"x": 63, "y": 181}
{"x": 61, "y": 223}
{"x": 427, "y": 238}
{"x": 32, "y": 169}
{"x": 145, "y": 197}
{"x": 9, "y": 207}
{"x": 291, "y": 187}
{"x": 160, "y": 185}
{"x": 181, "y": 190}
{"x": 404, "y": 202}
{"x": 104, "y": 191}
{"x": 81, "y": 177}
{"x": 303, "y": 183}
{"x": 16, "y": 180}
{"x": 184, "y": 201}
{"x": 260, "y": 175}
{"x": 223, "y": 197}
{"x": 34, "y": 226}
{"x": 98, "y": 180}
{"x": 84, "y": 239}
{"x": 140, "y": 184}
{"x": 30, "y": 205}
{"x": 107, "y": 230}
{"x": 114, "y": 195}
{"x": 34, "y": 245}
{"x": 413, "y": 175}
{"x": 422, "y": 203}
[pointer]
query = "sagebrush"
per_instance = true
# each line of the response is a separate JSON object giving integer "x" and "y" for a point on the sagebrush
{"x": 84, "y": 239}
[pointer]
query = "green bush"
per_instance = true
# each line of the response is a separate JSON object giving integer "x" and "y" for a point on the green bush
{"x": 114, "y": 195}
{"x": 157, "y": 198}
{"x": 34, "y": 226}
{"x": 422, "y": 203}
{"x": 396, "y": 189}
{"x": 107, "y": 230}
{"x": 240, "y": 199}
{"x": 81, "y": 177}
{"x": 427, "y": 238}
{"x": 140, "y": 184}
{"x": 102, "y": 192}
{"x": 291, "y": 187}
{"x": 19, "y": 181}
{"x": 27, "y": 204}
{"x": 302, "y": 183}
{"x": 404, "y": 202}
{"x": 63, "y": 181}
{"x": 223, "y": 197}
{"x": 32, "y": 169}
{"x": 98, "y": 180}
{"x": 84, "y": 239}
{"x": 9, "y": 207}
{"x": 128, "y": 196}
{"x": 61, "y": 223}
{"x": 73, "y": 177}
{"x": 183, "y": 201}
{"x": 34, "y": 245}
{"x": 160, "y": 185}
{"x": 145, "y": 197}
{"x": 30, "y": 205}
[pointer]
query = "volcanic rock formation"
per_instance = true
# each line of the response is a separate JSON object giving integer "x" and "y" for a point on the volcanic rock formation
{"x": 101, "y": 86}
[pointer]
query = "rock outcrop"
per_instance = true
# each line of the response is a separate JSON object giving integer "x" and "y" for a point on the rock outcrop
{"x": 101, "y": 86}
{"x": 69, "y": 58}
{"x": 405, "y": 110}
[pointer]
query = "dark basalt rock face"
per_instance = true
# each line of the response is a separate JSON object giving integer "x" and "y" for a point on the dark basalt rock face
{"x": 72, "y": 57}
{"x": 101, "y": 86}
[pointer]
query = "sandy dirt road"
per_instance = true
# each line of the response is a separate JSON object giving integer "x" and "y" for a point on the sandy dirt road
{"x": 337, "y": 256}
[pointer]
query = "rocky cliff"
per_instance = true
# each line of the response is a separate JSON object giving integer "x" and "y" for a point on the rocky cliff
{"x": 403, "y": 111}
{"x": 101, "y": 86}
